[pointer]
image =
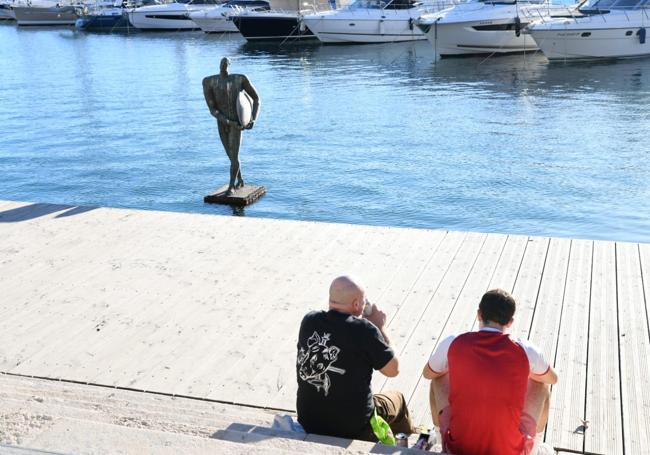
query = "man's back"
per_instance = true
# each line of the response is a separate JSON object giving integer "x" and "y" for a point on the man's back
{"x": 488, "y": 380}
{"x": 337, "y": 353}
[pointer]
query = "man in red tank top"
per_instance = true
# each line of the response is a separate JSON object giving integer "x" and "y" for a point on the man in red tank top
{"x": 489, "y": 392}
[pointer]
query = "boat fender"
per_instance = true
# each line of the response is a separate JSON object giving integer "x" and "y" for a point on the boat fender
{"x": 517, "y": 27}
{"x": 411, "y": 24}
{"x": 642, "y": 35}
{"x": 303, "y": 26}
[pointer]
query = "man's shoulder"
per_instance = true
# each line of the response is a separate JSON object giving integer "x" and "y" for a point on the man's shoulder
{"x": 210, "y": 79}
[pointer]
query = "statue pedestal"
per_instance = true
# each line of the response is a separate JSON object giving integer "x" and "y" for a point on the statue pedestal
{"x": 239, "y": 197}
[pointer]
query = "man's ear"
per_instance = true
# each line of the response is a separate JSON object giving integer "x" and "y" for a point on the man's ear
{"x": 357, "y": 304}
{"x": 479, "y": 316}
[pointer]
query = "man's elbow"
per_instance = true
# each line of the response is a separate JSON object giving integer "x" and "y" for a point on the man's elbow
{"x": 391, "y": 369}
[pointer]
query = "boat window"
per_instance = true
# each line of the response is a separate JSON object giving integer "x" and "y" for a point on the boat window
{"x": 368, "y": 4}
{"x": 248, "y": 4}
{"x": 402, "y": 4}
{"x": 606, "y": 5}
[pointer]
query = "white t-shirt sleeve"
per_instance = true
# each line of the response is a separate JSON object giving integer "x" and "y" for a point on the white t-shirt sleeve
{"x": 538, "y": 363}
{"x": 438, "y": 360}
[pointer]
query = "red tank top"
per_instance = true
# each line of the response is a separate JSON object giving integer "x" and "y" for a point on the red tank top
{"x": 488, "y": 378}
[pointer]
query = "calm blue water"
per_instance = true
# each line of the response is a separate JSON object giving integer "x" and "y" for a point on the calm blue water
{"x": 376, "y": 134}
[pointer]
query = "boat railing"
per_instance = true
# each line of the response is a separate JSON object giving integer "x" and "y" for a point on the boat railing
{"x": 587, "y": 15}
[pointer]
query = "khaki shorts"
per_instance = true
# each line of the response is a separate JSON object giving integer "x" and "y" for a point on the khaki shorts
{"x": 392, "y": 407}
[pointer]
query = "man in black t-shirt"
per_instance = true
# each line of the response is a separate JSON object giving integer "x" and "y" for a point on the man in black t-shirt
{"x": 337, "y": 353}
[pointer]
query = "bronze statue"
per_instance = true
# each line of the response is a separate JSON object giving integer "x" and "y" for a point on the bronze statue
{"x": 221, "y": 93}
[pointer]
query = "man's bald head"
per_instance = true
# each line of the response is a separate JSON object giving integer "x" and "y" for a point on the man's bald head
{"x": 347, "y": 295}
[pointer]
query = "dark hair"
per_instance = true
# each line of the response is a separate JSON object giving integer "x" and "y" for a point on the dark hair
{"x": 497, "y": 306}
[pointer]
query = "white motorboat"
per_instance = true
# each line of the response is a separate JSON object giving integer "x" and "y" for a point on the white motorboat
{"x": 484, "y": 27}
{"x": 604, "y": 29}
{"x": 218, "y": 18}
{"x": 45, "y": 13}
{"x": 169, "y": 16}
{"x": 370, "y": 21}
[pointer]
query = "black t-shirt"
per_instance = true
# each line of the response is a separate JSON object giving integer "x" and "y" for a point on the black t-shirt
{"x": 337, "y": 353}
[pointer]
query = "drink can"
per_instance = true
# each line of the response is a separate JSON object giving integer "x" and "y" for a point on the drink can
{"x": 422, "y": 442}
{"x": 401, "y": 440}
{"x": 367, "y": 309}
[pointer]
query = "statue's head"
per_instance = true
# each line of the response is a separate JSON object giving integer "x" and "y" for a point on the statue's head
{"x": 225, "y": 64}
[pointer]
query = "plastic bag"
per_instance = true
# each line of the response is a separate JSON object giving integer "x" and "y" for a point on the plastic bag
{"x": 382, "y": 430}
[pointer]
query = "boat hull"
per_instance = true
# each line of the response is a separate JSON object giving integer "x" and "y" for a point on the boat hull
{"x": 36, "y": 16}
{"x": 591, "y": 44}
{"x": 104, "y": 23}
{"x": 161, "y": 20}
{"x": 211, "y": 24}
{"x": 463, "y": 38}
{"x": 270, "y": 27}
{"x": 386, "y": 29}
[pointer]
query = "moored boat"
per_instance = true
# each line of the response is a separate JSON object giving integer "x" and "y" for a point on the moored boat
{"x": 105, "y": 18}
{"x": 45, "y": 13}
{"x": 604, "y": 29}
{"x": 484, "y": 27}
{"x": 169, "y": 16}
{"x": 370, "y": 21}
{"x": 218, "y": 19}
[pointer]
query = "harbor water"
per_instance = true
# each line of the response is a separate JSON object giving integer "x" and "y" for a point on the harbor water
{"x": 370, "y": 134}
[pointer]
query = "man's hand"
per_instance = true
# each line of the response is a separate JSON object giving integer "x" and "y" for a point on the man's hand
{"x": 377, "y": 316}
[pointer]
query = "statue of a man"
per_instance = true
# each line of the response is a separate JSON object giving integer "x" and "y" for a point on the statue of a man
{"x": 221, "y": 92}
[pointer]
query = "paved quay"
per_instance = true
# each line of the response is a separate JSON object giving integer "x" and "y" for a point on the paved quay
{"x": 209, "y": 306}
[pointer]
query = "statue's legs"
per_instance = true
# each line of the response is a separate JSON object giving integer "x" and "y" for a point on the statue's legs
{"x": 231, "y": 140}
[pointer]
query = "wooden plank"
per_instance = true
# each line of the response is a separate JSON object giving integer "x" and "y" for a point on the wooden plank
{"x": 505, "y": 275}
{"x": 634, "y": 350}
{"x": 426, "y": 331}
{"x": 418, "y": 302}
{"x": 569, "y": 394}
{"x": 401, "y": 276}
{"x": 277, "y": 370}
{"x": 460, "y": 320}
{"x": 539, "y": 319}
{"x": 255, "y": 319}
{"x": 603, "y": 406}
{"x": 211, "y": 310}
{"x": 125, "y": 279}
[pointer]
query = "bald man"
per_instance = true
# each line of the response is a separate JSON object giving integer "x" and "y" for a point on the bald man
{"x": 337, "y": 353}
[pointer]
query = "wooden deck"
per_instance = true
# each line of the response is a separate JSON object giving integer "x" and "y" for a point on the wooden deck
{"x": 209, "y": 306}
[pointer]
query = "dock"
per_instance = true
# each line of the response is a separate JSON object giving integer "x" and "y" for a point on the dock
{"x": 209, "y": 307}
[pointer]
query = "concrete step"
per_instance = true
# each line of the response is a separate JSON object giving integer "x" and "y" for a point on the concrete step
{"x": 76, "y": 418}
{"x": 87, "y": 437}
{"x": 77, "y": 393}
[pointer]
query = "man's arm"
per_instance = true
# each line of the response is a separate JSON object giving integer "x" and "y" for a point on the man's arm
{"x": 209, "y": 97}
{"x": 378, "y": 318}
{"x": 437, "y": 364}
{"x": 250, "y": 89}
{"x": 212, "y": 105}
{"x": 540, "y": 368}
{"x": 428, "y": 373}
{"x": 550, "y": 377}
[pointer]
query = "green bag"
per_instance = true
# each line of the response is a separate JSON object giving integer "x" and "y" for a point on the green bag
{"x": 382, "y": 430}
